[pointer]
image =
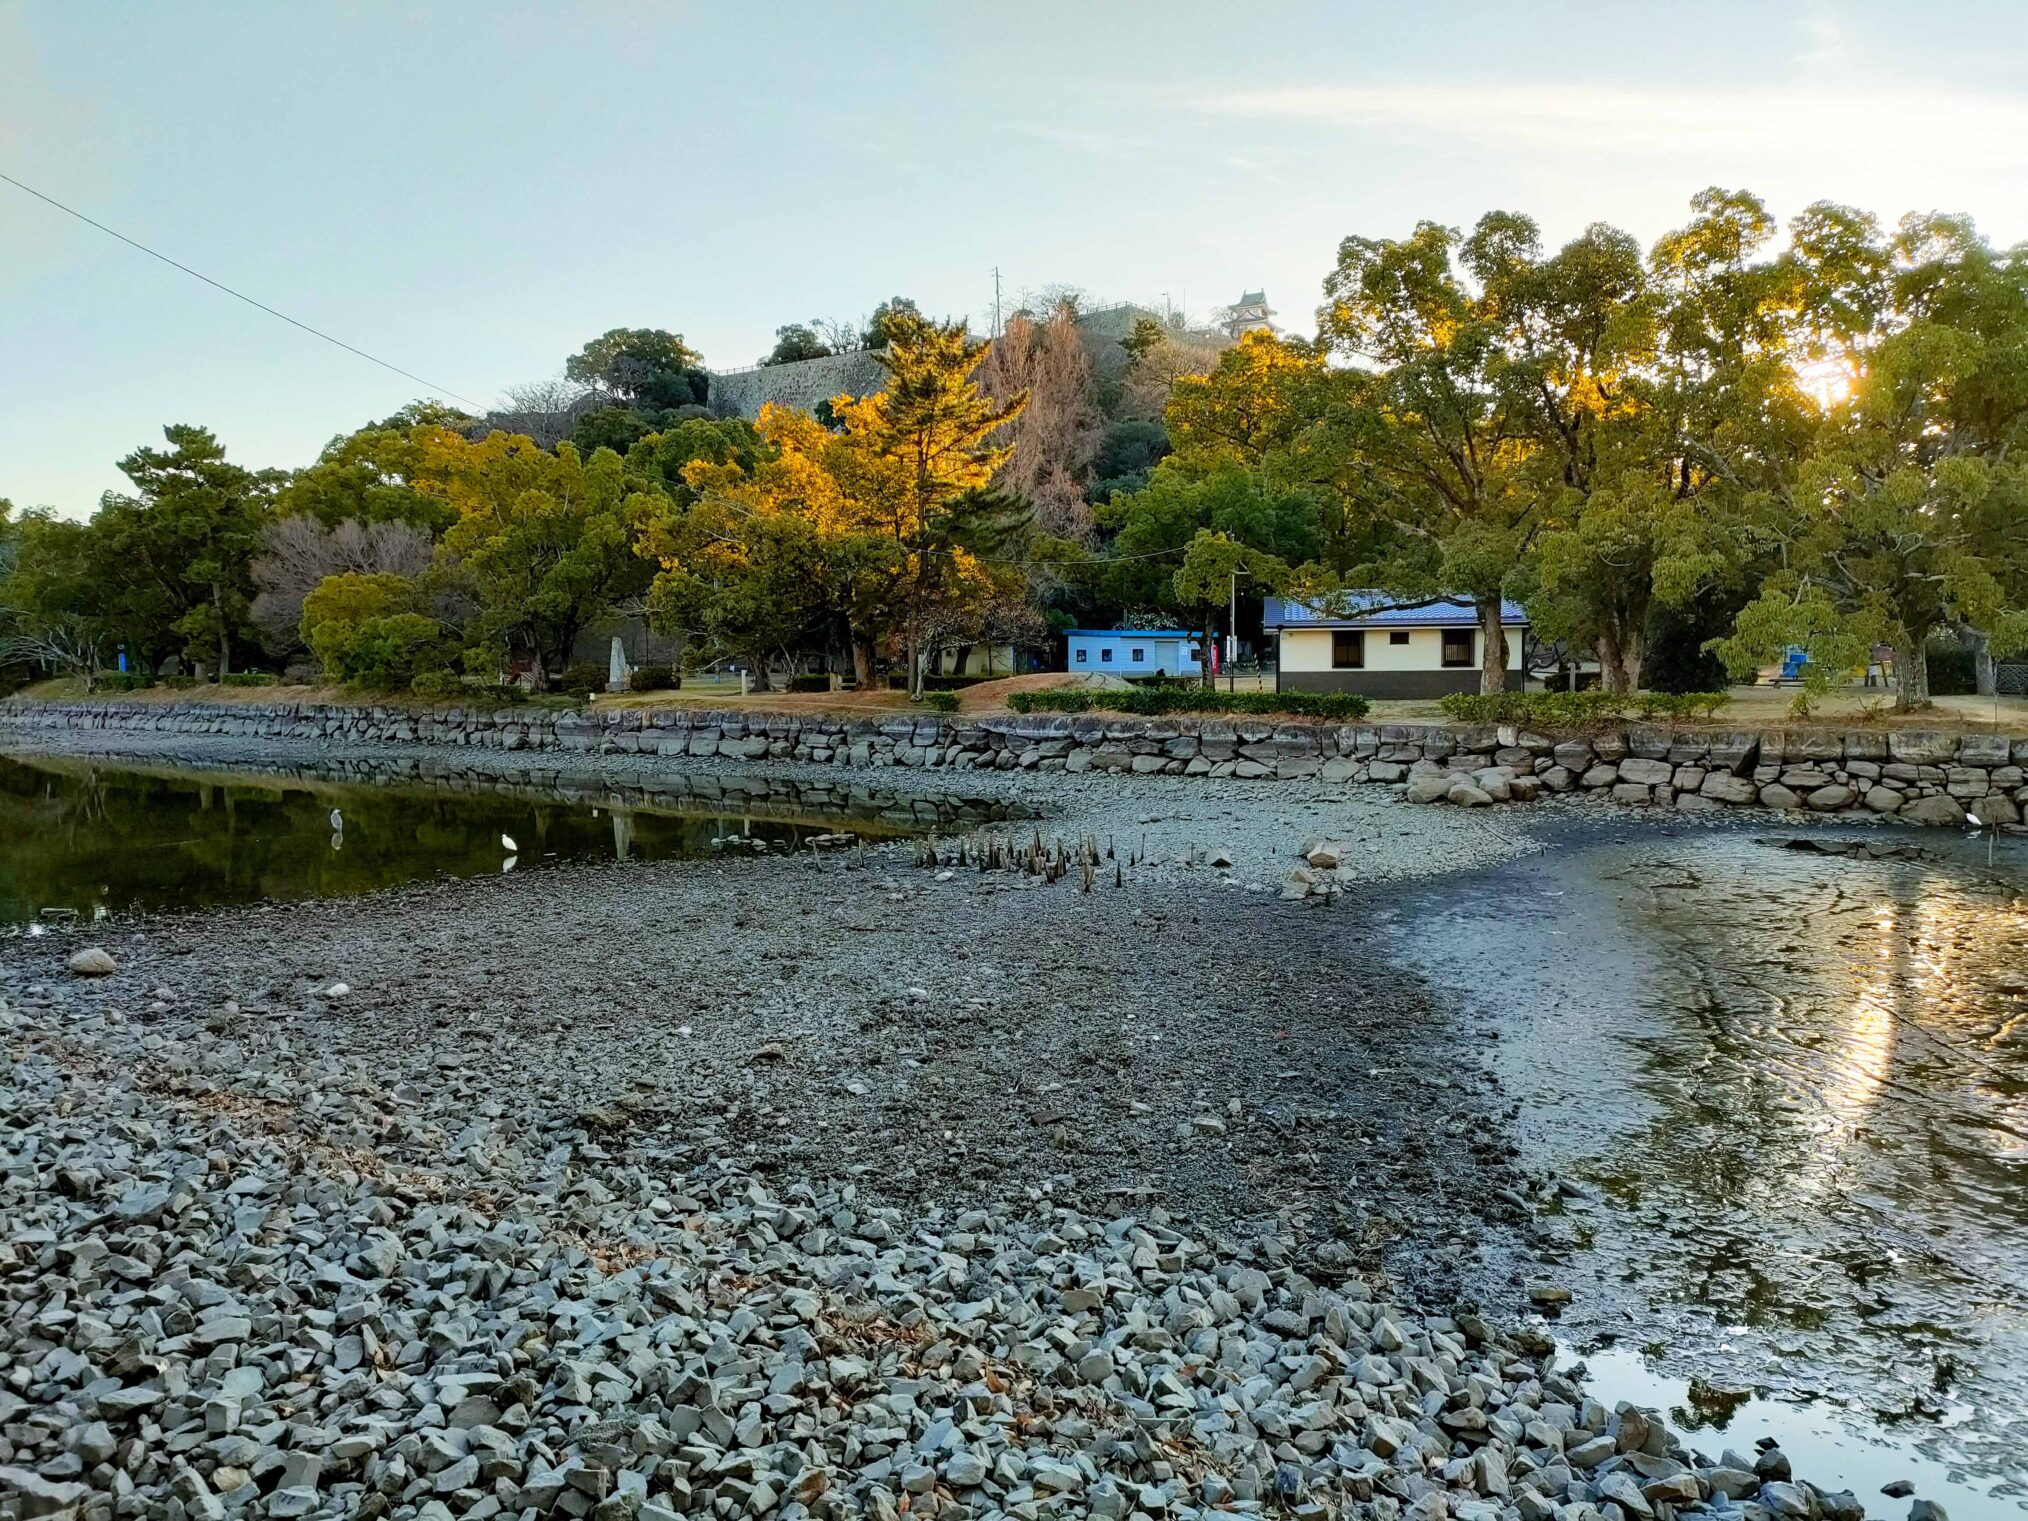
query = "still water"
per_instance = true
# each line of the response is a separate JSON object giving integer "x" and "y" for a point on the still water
{"x": 1794, "y": 1088}
{"x": 92, "y": 838}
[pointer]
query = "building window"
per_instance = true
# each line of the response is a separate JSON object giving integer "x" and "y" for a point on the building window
{"x": 1398, "y": 636}
{"x": 1080, "y": 657}
{"x": 1139, "y": 654}
{"x": 1106, "y": 656}
{"x": 1348, "y": 649}
{"x": 1458, "y": 647}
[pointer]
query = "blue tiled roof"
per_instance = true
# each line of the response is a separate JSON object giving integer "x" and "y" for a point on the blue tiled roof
{"x": 1280, "y": 613}
{"x": 1135, "y": 633}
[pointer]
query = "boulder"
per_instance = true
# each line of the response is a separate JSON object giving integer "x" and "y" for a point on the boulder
{"x": 1940, "y": 811}
{"x": 1882, "y": 800}
{"x": 1775, "y": 795}
{"x": 92, "y": 961}
{"x": 1831, "y": 799}
{"x": 1646, "y": 773}
{"x": 1429, "y": 788}
{"x": 1724, "y": 787}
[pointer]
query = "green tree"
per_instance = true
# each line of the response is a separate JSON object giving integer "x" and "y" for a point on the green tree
{"x": 545, "y": 541}
{"x": 1910, "y": 514}
{"x": 895, "y": 315}
{"x": 368, "y": 476}
{"x": 797, "y": 341}
{"x": 372, "y": 629}
{"x": 1185, "y": 529}
{"x": 1424, "y": 442}
{"x": 176, "y": 556}
{"x": 644, "y": 366}
{"x": 53, "y": 605}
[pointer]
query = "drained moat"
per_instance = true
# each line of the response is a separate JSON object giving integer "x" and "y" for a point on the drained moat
{"x": 90, "y": 837}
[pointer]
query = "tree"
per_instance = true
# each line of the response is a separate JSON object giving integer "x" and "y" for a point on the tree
{"x": 297, "y": 553}
{"x": 1129, "y": 450}
{"x": 922, "y": 463}
{"x": 368, "y": 476}
{"x": 544, "y": 539}
{"x": 51, "y": 607}
{"x": 795, "y": 342}
{"x": 1056, "y": 437}
{"x": 1911, "y": 512}
{"x": 176, "y": 556}
{"x": 664, "y": 457}
{"x": 894, "y": 315}
{"x": 643, "y": 366}
{"x": 1426, "y": 445}
{"x": 372, "y": 629}
{"x": 1187, "y": 528}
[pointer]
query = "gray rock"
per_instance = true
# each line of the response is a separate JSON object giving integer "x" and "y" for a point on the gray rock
{"x": 92, "y": 961}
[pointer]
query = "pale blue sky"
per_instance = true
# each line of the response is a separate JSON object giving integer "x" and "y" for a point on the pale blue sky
{"x": 471, "y": 190}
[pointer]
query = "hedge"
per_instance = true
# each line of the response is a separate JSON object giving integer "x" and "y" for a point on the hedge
{"x": 953, "y": 683}
{"x": 1151, "y": 702}
{"x": 654, "y": 678}
{"x": 940, "y": 702}
{"x": 1563, "y": 710}
{"x": 810, "y": 682}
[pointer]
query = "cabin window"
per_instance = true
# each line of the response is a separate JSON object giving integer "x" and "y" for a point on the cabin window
{"x": 1458, "y": 646}
{"x": 1139, "y": 654}
{"x": 1398, "y": 636}
{"x": 1348, "y": 649}
{"x": 1106, "y": 656}
{"x": 1080, "y": 657}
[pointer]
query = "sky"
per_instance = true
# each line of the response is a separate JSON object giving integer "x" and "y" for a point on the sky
{"x": 470, "y": 192}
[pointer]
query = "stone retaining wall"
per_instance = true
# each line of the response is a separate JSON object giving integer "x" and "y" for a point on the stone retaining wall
{"x": 1922, "y": 776}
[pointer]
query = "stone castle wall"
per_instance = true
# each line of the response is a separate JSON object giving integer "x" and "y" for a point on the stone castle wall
{"x": 742, "y": 393}
{"x": 1920, "y": 776}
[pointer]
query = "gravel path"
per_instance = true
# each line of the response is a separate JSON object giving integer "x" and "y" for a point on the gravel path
{"x": 813, "y": 1187}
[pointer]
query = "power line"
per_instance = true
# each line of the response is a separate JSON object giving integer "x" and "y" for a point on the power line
{"x": 239, "y": 295}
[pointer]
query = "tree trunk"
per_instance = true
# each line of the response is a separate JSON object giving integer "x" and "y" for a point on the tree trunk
{"x": 1205, "y": 678}
{"x": 1619, "y": 660}
{"x": 1492, "y": 647}
{"x": 224, "y": 632}
{"x": 1911, "y": 676}
{"x": 862, "y": 663}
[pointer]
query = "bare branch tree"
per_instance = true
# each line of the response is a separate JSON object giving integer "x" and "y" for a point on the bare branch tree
{"x": 298, "y": 552}
{"x": 56, "y": 642}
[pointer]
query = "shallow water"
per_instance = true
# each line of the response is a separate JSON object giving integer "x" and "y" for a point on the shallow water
{"x": 1795, "y": 1088}
{"x": 94, "y": 838}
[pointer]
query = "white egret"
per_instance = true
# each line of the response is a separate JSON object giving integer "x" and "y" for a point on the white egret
{"x": 507, "y": 843}
{"x": 337, "y": 819}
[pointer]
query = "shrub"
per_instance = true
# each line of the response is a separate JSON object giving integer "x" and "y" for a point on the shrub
{"x": 654, "y": 678}
{"x": 251, "y": 679}
{"x": 123, "y": 681}
{"x": 1154, "y": 701}
{"x": 371, "y": 630}
{"x": 940, "y": 702}
{"x": 436, "y": 686}
{"x": 953, "y": 683}
{"x": 1953, "y": 672}
{"x": 178, "y": 683}
{"x": 810, "y": 683}
{"x": 1575, "y": 710}
{"x": 582, "y": 679}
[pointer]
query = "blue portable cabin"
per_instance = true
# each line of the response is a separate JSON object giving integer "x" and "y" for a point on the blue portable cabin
{"x": 1132, "y": 652}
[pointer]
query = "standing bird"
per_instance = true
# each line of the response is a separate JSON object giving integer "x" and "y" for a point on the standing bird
{"x": 337, "y": 819}
{"x": 507, "y": 842}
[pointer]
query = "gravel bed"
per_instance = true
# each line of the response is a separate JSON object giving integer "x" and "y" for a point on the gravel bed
{"x": 832, "y": 1187}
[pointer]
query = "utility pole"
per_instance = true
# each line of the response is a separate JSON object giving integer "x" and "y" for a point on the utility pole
{"x": 1232, "y": 634}
{"x": 996, "y": 301}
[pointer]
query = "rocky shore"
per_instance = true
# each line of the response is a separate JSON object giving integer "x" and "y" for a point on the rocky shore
{"x": 797, "y": 1188}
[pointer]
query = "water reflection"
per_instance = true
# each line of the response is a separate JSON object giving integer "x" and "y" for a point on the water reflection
{"x": 80, "y": 836}
{"x": 1799, "y": 1087}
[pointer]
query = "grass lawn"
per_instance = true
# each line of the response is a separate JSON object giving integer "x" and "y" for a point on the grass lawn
{"x": 1750, "y": 708}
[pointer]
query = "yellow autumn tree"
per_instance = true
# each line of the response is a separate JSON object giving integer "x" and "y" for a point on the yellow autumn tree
{"x": 888, "y": 520}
